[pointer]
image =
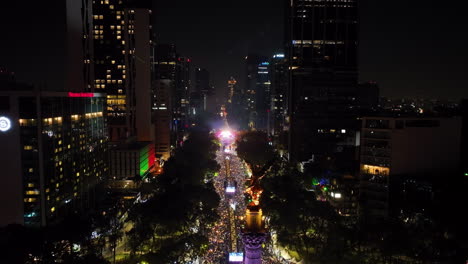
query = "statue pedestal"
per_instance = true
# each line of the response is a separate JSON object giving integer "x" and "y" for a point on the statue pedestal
{"x": 253, "y": 247}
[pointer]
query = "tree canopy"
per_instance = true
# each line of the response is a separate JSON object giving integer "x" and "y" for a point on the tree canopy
{"x": 172, "y": 225}
{"x": 254, "y": 148}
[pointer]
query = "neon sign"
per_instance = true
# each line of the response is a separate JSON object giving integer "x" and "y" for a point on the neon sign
{"x": 71, "y": 94}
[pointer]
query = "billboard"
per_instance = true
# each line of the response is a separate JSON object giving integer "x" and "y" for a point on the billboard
{"x": 236, "y": 257}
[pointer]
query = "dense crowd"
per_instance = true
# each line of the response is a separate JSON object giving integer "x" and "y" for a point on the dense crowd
{"x": 231, "y": 208}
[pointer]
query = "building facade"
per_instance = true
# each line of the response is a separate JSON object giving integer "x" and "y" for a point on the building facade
{"x": 131, "y": 161}
{"x": 279, "y": 95}
{"x": 121, "y": 34}
{"x": 57, "y": 144}
{"x": 321, "y": 48}
{"x": 396, "y": 147}
{"x": 199, "y": 96}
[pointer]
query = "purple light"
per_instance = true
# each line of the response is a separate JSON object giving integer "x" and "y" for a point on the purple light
{"x": 226, "y": 134}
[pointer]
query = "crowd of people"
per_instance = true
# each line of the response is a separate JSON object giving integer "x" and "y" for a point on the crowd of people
{"x": 225, "y": 236}
{"x": 232, "y": 208}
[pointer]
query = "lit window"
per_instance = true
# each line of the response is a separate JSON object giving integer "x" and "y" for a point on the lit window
{"x": 31, "y": 170}
{"x": 27, "y": 147}
{"x": 32, "y": 192}
{"x": 52, "y": 209}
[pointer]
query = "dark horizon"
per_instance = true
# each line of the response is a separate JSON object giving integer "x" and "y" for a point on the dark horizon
{"x": 400, "y": 56}
{"x": 410, "y": 49}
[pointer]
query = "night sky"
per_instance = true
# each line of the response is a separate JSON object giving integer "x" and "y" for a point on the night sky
{"x": 411, "y": 48}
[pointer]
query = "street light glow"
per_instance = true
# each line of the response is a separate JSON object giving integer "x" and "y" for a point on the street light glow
{"x": 226, "y": 134}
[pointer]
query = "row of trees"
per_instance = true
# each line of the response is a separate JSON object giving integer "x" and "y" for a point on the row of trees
{"x": 311, "y": 230}
{"x": 172, "y": 225}
{"x": 68, "y": 242}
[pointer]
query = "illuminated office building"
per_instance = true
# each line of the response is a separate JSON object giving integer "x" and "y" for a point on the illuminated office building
{"x": 257, "y": 91}
{"x": 321, "y": 47}
{"x": 183, "y": 85}
{"x": 263, "y": 96}
{"x": 163, "y": 117}
{"x": 278, "y": 119}
{"x": 122, "y": 68}
{"x": 57, "y": 153}
{"x": 236, "y": 104}
{"x": 198, "y": 97}
{"x": 404, "y": 147}
{"x": 171, "y": 87}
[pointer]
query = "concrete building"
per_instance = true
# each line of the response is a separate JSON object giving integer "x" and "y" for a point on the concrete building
{"x": 133, "y": 160}
{"x": 199, "y": 95}
{"x": 279, "y": 95}
{"x": 57, "y": 153}
{"x": 404, "y": 146}
{"x": 122, "y": 66}
{"x": 321, "y": 48}
{"x": 163, "y": 117}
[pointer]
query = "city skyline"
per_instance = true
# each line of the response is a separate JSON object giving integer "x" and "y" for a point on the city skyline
{"x": 397, "y": 38}
{"x": 274, "y": 132}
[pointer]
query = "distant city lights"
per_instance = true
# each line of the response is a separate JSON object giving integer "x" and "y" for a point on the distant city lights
{"x": 335, "y": 195}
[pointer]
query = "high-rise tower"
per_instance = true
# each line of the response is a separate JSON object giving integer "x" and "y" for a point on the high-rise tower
{"x": 122, "y": 68}
{"x": 322, "y": 45}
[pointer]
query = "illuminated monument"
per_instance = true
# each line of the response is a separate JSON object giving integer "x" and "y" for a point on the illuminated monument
{"x": 254, "y": 233}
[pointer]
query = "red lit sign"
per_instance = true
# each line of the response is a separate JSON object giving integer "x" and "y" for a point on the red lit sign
{"x": 70, "y": 94}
